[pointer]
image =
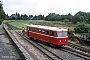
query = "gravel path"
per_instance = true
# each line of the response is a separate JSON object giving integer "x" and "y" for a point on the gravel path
{"x": 34, "y": 52}
{"x": 7, "y": 49}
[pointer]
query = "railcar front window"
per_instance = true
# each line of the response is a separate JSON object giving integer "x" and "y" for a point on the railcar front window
{"x": 59, "y": 34}
{"x": 62, "y": 34}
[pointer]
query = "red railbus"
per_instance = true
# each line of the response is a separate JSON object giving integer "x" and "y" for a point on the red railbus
{"x": 52, "y": 35}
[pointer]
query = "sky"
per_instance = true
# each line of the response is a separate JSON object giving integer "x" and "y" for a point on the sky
{"x": 44, "y": 7}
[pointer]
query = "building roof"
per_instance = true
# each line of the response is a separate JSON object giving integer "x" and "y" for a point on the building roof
{"x": 48, "y": 28}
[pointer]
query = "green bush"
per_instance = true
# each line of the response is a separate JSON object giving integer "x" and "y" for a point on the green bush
{"x": 88, "y": 25}
{"x": 65, "y": 20}
{"x": 81, "y": 28}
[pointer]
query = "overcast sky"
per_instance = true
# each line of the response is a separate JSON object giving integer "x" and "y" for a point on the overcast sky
{"x": 44, "y": 7}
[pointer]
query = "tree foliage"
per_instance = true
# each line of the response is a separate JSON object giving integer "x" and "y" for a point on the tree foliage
{"x": 57, "y": 17}
{"x": 2, "y": 13}
{"x": 81, "y": 28}
{"x": 19, "y": 16}
{"x": 78, "y": 17}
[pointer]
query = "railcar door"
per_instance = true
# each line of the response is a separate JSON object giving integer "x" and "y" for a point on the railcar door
{"x": 53, "y": 38}
{"x": 47, "y": 36}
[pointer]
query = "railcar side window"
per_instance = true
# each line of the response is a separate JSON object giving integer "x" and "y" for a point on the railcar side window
{"x": 53, "y": 33}
{"x": 39, "y": 30}
{"x": 47, "y": 32}
{"x": 34, "y": 30}
{"x": 31, "y": 29}
{"x": 64, "y": 34}
{"x": 43, "y": 32}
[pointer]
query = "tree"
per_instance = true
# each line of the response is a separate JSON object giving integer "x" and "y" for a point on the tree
{"x": 21, "y": 17}
{"x": 57, "y": 17}
{"x": 25, "y": 17}
{"x": 31, "y": 17}
{"x": 2, "y": 13}
{"x": 50, "y": 17}
{"x": 18, "y": 16}
{"x": 40, "y": 17}
{"x": 81, "y": 28}
{"x": 35, "y": 17}
{"x": 66, "y": 20}
{"x": 81, "y": 17}
{"x": 70, "y": 17}
{"x": 7, "y": 17}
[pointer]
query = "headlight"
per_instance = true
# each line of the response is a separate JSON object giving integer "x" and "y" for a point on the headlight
{"x": 60, "y": 40}
{"x": 65, "y": 40}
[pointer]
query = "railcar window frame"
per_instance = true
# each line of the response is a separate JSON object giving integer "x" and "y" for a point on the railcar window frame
{"x": 29, "y": 28}
{"x": 59, "y": 34}
{"x": 34, "y": 29}
{"x": 62, "y": 33}
{"x": 43, "y": 31}
{"x": 47, "y": 32}
{"x": 39, "y": 30}
{"x": 53, "y": 33}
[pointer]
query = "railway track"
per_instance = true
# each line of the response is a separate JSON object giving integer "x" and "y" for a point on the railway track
{"x": 78, "y": 47}
{"x": 46, "y": 51}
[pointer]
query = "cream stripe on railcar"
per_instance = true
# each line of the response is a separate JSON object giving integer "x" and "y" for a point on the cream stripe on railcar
{"x": 47, "y": 28}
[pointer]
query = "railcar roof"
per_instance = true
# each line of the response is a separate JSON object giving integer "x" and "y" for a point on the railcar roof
{"x": 47, "y": 28}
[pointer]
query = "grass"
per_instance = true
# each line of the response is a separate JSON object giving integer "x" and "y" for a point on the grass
{"x": 22, "y": 23}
